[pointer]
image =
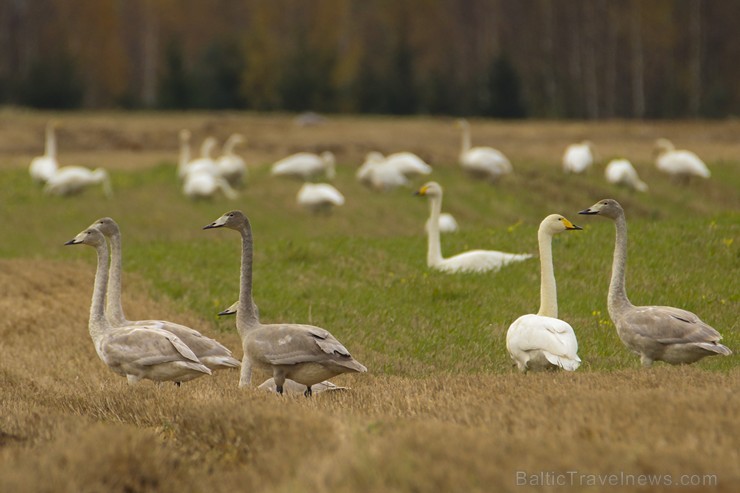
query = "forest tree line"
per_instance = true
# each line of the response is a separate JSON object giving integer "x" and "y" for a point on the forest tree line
{"x": 497, "y": 58}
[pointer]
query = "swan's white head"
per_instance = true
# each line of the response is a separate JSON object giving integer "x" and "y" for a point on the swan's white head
{"x": 663, "y": 145}
{"x": 231, "y": 220}
{"x": 431, "y": 189}
{"x": 107, "y": 226}
{"x": 208, "y": 145}
{"x": 608, "y": 208}
{"x": 90, "y": 236}
{"x": 555, "y": 223}
{"x": 462, "y": 123}
{"x": 184, "y": 135}
{"x": 374, "y": 157}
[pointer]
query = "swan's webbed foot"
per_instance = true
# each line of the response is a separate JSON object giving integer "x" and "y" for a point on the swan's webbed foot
{"x": 308, "y": 392}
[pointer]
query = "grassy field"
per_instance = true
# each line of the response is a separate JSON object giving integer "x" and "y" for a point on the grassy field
{"x": 442, "y": 408}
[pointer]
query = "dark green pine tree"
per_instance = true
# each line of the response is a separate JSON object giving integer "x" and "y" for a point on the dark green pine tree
{"x": 504, "y": 90}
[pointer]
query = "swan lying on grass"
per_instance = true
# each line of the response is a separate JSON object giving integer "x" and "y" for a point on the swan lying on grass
{"x": 209, "y": 351}
{"x": 302, "y": 353}
{"x": 472, "y": 261}
{"x": 542, "y": 341}
{"x": 43, "y": 167}
{"x": 70, "y": 180}
{"x": 306, "y": 166}
{"x": 319, "y": 197}
{"x": 482, "y": 162}
{"x": 656, "y": 333}
{"x": 680, "y": 164}
{"x": 135, "y": 351}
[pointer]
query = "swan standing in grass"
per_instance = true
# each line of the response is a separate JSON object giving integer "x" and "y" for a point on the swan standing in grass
{"x": 209, "y": 351}
{"x": 621, "y": 172}
{"x": 230, "y": 165}
{"x": 136, "y": 351}
{"x": 319, "y": 197}
{"x": 680, "y": 164}
{"x": 375, "y": 173}
{"x": 408, "y": 163}
{"x": 70, "y": 180}
{"x": 481, "y": 162}
{"x": 578, "y": 158}
{"x": 472, "y": 261}
{"x": 43, "y": 167}
{"x": 306, "y": 166}
{"x": 542, "y": 341}
{"x": 656, "y": 333}
{"x": 302, "y": 353}
{"x": 205, "y": 163}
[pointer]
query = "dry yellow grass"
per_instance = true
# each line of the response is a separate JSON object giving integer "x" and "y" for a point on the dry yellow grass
{"x": 68, "y": 424}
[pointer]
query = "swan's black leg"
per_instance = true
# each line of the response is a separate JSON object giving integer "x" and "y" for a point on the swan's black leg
{"x": 177, "y": 383}
{"x": 308, "y": 392}
{"x": 279, "y": 389}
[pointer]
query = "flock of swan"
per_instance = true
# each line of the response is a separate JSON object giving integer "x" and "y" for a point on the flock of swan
{"x": 302, "y": 358}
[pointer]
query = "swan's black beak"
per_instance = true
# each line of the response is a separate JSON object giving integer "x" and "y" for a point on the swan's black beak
{"x": 71, "y": 242}
{"x": 575, "y": 227}
{"x": 588, "y": 212}
{"x": 225, "y": 313}
{"x": 212, "y": 225}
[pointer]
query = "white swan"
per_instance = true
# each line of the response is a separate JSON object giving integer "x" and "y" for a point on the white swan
{"x": 680, "y": 164}
{"x": 184, "y": 156}
{"x": 472, "y": 261}
{"x": 230, "y": 165}
{"x": 408, "y": 163}
{"x": 205, "y": 163}
{"x": 205, "y": 184}
{"x": 656, "y": 333}
{"x": 305, "y": 165}
{"x": 302, "y": 353}
{"x": 447, "y": 223}
{"x": 481, "y": 162}
{"x": 69, "y": 180}
{"x": 209, "y": 351}
{"x": 135, "y": 352}
{"x": 542, "y": 341}
{"x": 378, "y": 175}
{"x": 43, "y": 167}
{"x": 319, "y": 197}
{"x": 621, "y": 172}
{"x": 578, "y": 158}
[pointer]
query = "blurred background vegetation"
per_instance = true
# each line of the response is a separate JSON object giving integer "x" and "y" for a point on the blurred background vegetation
{"x": 496, "y": 58}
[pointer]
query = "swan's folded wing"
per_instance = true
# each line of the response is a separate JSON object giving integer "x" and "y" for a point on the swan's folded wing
{"x": 291, "y": 344}
{"x": 145, "y": 345}
{"x": 553, "y": 335}
{"x": 669, "y": 325}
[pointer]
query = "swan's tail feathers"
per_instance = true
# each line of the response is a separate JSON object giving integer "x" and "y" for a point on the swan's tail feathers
{"x": 715, "y": 348}
{"x": 641, "y": 186}
{"x": 220, "y": 362}
{"x": 564, "y": 362}
{"x": 354, "y": 365}
{"x": 517, "y": 257}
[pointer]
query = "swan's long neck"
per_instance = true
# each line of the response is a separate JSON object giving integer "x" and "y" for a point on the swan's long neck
{"x": 113, "y": 307}
{"x": 465, "y": 138}
{"x": 617, "y": 300}
{"x": 229, "y": 147}
{"x": 51, "y": 142}
{"x": 184, "y": 155}
{"x": 434, "y": 248}
{"x": 98, "y": 323}
{"x": 548, "y": 288}
{"x": 246, "y": 317}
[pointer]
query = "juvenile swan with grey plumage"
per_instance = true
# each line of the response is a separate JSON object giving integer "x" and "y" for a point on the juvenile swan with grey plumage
{"x": 656, "y": 333}
{"x": 209, "y": 351}
{"x": 302, "y": 353}
{"x": 134, "y": 351}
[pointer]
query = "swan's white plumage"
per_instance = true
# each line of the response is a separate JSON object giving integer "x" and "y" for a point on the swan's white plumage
{"x": 679, "y": 163}
{"x": 230, "y": 165}
{"x": 205, "y": 163}
{"x": 621, "y": 172}
{"x": 578, "y": 158}
{"x": 447, "y": 223}
{"x": 44, "y": 167}
{"x": 318, "y": 197}
{"x": 138, "y": 351}
{"x": 472, "y": 261}
{"x": 69, "y": 180}
{"x": 542, "y": 341}
{"x": 408, "y": 163}
{"x": 204, "y": 184}
{"x": 482, "y": 162}
{"x": 377, "y": 174}
{"x": 305, "y": 165}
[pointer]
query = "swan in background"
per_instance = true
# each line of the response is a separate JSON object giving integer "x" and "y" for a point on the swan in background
{"x": 408, "y": 163}
{"x": 376, "y": 174}
{"x": 621, "y": 172}
{"x": 184, "y": 157}
{"x": 230, "y": 165}
{"x": 447, "y": 223}
{"x": 306, "y": 165}
{"x": 69, "y": 180}
{"x": 680, "y": 164}
{"x": 542, "y": 341}
{"x": 472, "y": 261}
{"x": 43, "y": 167}
{"x": 204, "y": 184}
{"x": 481, "y": 162}
{"x": 137, "y": 351}
{"x": 319, "y": 197}
{"x": 656, "y": 333}
{"x": 209, "y": 351}
{"x": 578, "y": 158}
{"x": 205, "y": 163}
{"x": 303, "y": 353}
